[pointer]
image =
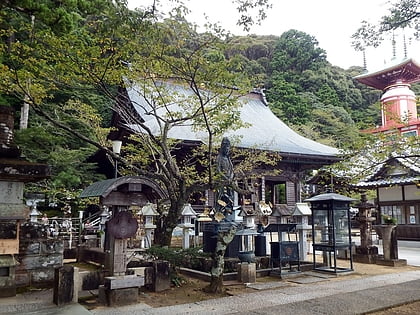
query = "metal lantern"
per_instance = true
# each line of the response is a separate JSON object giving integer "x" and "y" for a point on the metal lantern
{"x": 331, "y": 230}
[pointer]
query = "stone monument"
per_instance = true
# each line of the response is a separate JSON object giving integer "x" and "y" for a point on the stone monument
{"x": 14, "y": 173}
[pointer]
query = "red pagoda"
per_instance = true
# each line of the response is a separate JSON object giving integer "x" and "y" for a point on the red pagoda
{"x": 399, "y": 111}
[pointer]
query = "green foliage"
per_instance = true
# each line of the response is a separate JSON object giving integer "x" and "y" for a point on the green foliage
{"x": 286, "y": 103}
{"x": 389, "y": 220}
{"x": 69, "y": 60}
{"x": 189, "y": 258}
{"x": 328, "y": 96}
{"x": 297, "y": 51}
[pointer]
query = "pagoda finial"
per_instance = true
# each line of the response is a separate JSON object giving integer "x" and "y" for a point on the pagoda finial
{"x": 364, "y": 60}
{"x": 394, "y": 55}
{"x": 405, "y": 47}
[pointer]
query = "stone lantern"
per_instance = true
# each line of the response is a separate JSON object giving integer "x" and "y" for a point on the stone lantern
{"x": 301, "y": 213}
{"x": 148, "y": 212}
{"x": 104, "y": 217}
{"x": 366, "y": 252}
{"x": 201, "y": 220}
{"x": 186, "y": 224}
{"x": 15, "y": 171}
{"x": 34, "y": 214}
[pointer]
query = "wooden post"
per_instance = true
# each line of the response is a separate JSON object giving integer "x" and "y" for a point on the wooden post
{"x": 119, "y": 257}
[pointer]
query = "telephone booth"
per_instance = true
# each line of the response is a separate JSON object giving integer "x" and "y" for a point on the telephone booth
{"x": 331, "y": 231}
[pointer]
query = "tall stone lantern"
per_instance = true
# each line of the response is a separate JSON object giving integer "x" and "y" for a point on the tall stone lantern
{"x": 148, "y": 212}
{"x": 366, "y": 252}
{"x": 186, "y": 224}
{"x": 301, "y": 213}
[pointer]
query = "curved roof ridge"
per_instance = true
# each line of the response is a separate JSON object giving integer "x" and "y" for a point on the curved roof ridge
{"x": 266, "y": 131}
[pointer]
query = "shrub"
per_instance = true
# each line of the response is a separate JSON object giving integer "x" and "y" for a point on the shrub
{"x": 389, "y": 220}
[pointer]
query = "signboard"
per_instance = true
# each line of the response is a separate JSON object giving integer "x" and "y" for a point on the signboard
{"x": 289, "y": 251}
{"x": 123, "y": 225}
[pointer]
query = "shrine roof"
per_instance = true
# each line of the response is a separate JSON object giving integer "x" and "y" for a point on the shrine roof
{"x": 105, "y": 187}
{"x": 397, "y": 170}
{"x": 265, "y": 131}
{"x": 389, "y": 181}
{"x": 406, "y": 71}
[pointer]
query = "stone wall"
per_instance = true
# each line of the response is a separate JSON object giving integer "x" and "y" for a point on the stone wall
{"x": 38, "y": 257}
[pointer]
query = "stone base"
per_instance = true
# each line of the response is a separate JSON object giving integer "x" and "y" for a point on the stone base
{"x": 392, "y": 262}
{"x": 7, "y": 276}
{"x": 118, "y": 297}
{"x": 247, "y": 272}
{"x": 7, "y": 292}
{"x": 122, "y": 282}
{"x": 365, "y": 259}
{"x": 370, "y": 250}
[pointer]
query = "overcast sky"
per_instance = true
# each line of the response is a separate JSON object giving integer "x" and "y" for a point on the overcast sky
{"x": 331, "y": 22}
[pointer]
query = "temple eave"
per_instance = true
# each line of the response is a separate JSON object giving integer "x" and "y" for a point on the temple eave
{"x": 407, "y": 72}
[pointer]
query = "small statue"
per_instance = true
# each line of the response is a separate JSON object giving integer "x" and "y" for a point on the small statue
{"x": 224, "y": 164}
{"x": 225, "y": 167}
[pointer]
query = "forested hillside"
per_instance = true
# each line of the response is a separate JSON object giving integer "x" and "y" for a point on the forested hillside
{"x": 319, "y": 100}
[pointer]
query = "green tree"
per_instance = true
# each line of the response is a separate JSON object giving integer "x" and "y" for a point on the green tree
{"x": 286, "y": 102}
{"x": 119, "y": 47}
{"x": 328, "y": 96}
{"x": 297, "y": 51}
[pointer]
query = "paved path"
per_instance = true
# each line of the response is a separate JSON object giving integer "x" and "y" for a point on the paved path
{"x": 311, "y": 293}
{"x": 338, "y": 296}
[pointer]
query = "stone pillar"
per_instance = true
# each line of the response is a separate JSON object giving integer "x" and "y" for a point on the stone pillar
{"x": 157, "y": 276}
{"x": 7, "y": 276}
{"x": 63, "y": 285}
{"x": 148, "y": 238}
{"x": 386, "y": 232}
{"x": 247, "y": 272}
{"x": 185, "y": 238}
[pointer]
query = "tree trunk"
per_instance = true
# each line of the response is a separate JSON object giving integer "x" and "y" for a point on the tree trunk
{"x": 223, "y": 240}
{"x": 166, "y": 224}
{"x": 163, "y": 232}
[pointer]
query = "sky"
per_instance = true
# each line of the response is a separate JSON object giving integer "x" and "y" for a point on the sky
{"x": 331, "y": 22}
